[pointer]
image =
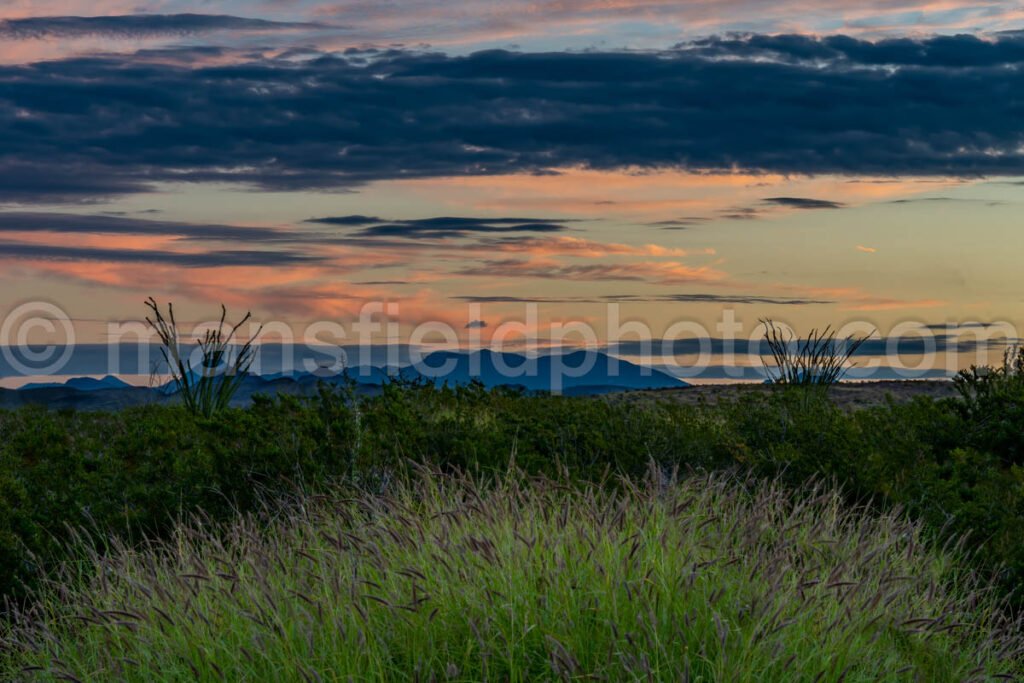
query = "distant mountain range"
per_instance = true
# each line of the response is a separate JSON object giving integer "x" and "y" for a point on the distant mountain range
{"x": 576, "y": 374}
{"x": 82, "y": 384}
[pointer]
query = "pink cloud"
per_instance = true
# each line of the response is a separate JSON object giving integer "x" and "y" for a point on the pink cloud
{"x": 575, "y": 246}
{"x": 637, "y": 196}
{"x": 858, "y": 299}
{"x": 552, "y": 24}
{"x": 451, "y": 24}
{"x": 655, "y": 272}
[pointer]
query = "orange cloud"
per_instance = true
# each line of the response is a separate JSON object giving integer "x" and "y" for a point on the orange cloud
{"x": 574, "y": 246}
{"x": 95, "y": 241}
{"x": 857, "y": 299}
{"x": 657, "y": 272}
{"x": 639, "y": 196}
{"x": 880, "y": 304}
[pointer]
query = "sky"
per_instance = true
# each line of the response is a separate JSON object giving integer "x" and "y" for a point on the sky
{"x": 807, "y": 161}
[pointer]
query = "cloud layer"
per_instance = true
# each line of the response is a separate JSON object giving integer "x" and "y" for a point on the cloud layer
{"x": 558, "y": 24}
{"x": 941, "y": 106}
{"x": 636, "y": 22}
{"x": 138, "y": 26}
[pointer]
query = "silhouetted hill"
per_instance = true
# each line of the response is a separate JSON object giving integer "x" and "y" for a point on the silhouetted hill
{"x": 574, "y": 374}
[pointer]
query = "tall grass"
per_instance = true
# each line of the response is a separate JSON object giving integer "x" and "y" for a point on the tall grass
{"x": 442, "y": 579}
{"x": 818, "y": 360}
{"x": 210, "y": 389}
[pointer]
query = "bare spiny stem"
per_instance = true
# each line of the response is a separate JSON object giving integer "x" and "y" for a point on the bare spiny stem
{"x": 210, "y": 388}
{"x": 818, "y": 360}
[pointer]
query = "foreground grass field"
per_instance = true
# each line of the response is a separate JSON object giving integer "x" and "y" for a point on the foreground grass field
{"x": 710, "y": 578}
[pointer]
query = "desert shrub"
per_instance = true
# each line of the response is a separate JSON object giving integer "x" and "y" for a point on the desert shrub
{"x": 133, "y": 472}
{"x": 992, "y": 401}
{"x": 472, "y": 428}
{"x": 444, "y": 579}
{"x": 795, "y": 432}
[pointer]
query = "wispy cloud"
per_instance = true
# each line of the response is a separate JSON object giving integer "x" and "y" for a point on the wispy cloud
{"x": 139, "y": 26}
{"x": 751, "y": 299}
{"x": 859, "y": 299}
{"x": 441, "y": 227}
{"x": 638, "y": 22}
{"x": 660, "y": 272}
{"x": 207, "y": 259}
{"x": 574, "y": 246}
{"x": 105, "y": 224}
{"x": 803, "y": 203}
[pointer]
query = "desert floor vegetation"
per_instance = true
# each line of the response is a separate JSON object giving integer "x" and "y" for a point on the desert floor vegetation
{"x": 442, "y": 577}
{"x": 459, "y": 533}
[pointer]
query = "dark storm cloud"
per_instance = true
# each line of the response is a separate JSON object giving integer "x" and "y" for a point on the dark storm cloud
{"x": 137, "y": 26}
{"x": 941, "y": 106}
{"x": 212, "y": 259}
{"x": 441, "y": 227}
{"x": 26, "y": 181}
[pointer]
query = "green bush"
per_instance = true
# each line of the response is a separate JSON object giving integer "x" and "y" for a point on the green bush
{"x": 992, "y": 404}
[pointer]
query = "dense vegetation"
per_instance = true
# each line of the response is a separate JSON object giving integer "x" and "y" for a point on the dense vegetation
{"x": 440, "y": 578}
{"x": 956, "y": 465}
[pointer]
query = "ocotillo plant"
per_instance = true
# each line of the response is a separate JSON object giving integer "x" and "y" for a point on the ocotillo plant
{"x": 220, "y": 373}
{"x": 819, "y": 360}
